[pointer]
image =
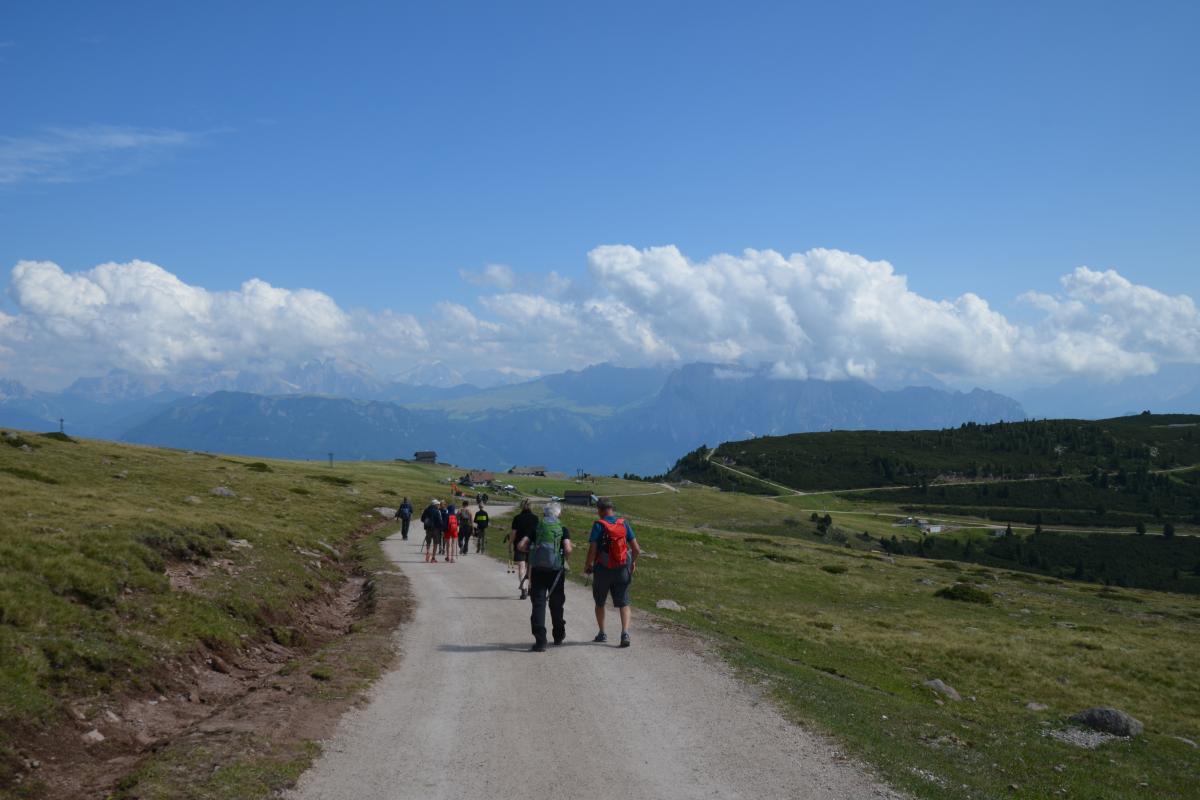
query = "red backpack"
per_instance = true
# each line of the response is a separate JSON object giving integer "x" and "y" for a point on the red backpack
{"x": 614, "y": 542}
{"x": 452, "y": 525}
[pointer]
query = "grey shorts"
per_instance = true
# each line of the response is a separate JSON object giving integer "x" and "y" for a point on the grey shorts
{"x": 611, "y": 581}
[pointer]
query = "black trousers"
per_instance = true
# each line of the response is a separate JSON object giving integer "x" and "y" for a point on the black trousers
{"x": 540, "y": 582}
{"x": 465, "y": 540}
{"x": 404, "y": 521}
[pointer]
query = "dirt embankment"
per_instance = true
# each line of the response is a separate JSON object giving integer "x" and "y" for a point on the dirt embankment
{"x": 256, "y": 708}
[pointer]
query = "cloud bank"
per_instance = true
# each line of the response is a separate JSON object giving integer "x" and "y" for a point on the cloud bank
{"x": 823, "y": 314}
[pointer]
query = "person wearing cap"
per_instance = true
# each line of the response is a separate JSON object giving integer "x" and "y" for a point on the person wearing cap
{"x": 612, "y": 557}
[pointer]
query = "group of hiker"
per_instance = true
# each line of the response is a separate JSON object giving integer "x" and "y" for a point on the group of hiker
{"x": 448, "y": 529}
{"x": 539, "y": 549}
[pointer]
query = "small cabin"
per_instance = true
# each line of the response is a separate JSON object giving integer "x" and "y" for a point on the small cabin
{"x": 478, "y": 477}
{"x": 425, "y": 457}
{"x": 578, "y": 497}
{"x": 539, "y": 472}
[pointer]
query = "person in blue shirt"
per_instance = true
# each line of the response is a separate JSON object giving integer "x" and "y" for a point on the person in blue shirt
{"x": 613, "y": 552}
{"x": 405, "y": 514}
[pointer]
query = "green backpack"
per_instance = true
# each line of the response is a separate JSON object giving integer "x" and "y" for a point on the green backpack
{"x": 547, "y": 549}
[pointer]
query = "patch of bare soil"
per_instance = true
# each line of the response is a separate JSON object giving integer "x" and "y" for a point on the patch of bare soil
{"x": 277, "y": 695}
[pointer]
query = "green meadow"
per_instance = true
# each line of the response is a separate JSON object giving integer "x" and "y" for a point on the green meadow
{"x": 844, "y": 635}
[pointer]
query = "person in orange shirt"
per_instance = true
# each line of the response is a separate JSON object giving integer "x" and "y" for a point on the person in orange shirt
{"x": 451, "y": 536}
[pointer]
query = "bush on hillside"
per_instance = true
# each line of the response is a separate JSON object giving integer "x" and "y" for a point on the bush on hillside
{"x": 964, "y": 592}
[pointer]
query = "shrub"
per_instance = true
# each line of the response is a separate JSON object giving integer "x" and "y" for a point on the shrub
{"x": 259, "y": 466}
{"x": 964, "y": 592}
{"x": 299, "y": 490}
{"x": 834, "y": 569}
{"x": 58, "y": 436}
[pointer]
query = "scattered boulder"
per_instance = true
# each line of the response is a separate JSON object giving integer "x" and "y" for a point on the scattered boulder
{"x": 1186, "y": 741}
{"x": 122, "y": 475}
{"x": 192, "y": 499}
{"x": 93, "y": 737}
{"x": 669, "y": 605}
{"x": 1109, "y": 720}
{"x": 386, "y": 513}
{"x": 224, "y": 491}
{"x": 111, "y": 717}
{"x": 943, "y": 688}
{"x": 1032, "y": 706}
{"x": 240, "y": 544}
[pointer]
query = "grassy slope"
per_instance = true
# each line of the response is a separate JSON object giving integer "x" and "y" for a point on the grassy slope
{"x": 89, "y": 528}
{"x": 844, "y": 649}
{"x": 848, "y": 651}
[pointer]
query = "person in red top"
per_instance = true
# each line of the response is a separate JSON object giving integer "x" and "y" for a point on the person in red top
{"x": 451, "y": 536}
{"x": 612, "y": 557}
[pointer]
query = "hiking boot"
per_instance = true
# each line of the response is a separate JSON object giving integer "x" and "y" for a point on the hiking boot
{"x": 600, "y": 637}
{"x": 538, "y": 647}
{"x": 558, "y": 640}
{"x": 625, "y": 639}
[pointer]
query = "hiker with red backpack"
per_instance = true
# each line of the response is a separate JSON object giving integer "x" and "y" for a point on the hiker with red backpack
{"x": 611, "y": 561}
{"x": 451, "y": 535}
{"x": 548, "y": 550}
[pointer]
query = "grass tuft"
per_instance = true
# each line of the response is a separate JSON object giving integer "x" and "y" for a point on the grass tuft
{"x": 29, "y": 475}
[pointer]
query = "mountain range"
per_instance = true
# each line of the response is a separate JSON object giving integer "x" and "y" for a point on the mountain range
{"x": 602, "y": 419}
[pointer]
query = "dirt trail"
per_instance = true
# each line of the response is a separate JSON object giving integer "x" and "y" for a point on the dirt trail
{"x": 662, "y": 719}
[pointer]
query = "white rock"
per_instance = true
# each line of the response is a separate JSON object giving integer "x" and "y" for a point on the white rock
{"x": 191, "y": 498}
{"x": 224, "y": 491}
{"x": 943, "y": 688}
{"x": 669, "y": 605}
{"x": 93, "y": 737}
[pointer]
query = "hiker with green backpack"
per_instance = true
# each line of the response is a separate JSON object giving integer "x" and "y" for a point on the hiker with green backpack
{"x": 548, "y": 551}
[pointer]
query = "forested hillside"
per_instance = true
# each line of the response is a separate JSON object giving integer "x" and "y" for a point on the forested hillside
{"x": 1005, "y": 450}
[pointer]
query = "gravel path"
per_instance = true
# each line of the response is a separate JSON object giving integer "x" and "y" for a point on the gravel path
{"x": 459, "y": 716}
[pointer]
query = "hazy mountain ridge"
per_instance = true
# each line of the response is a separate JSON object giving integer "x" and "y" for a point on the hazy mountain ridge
{"x": 694, "y": 405}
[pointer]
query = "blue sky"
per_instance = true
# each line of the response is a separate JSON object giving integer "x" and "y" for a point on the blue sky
{"x": 371, "y": 151}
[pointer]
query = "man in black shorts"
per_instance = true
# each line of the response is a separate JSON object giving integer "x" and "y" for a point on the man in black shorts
{"x": 612, "y": 558}
{"x": 524, "y": 526}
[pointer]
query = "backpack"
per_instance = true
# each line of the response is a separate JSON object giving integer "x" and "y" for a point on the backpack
{"x": 614, "y": 542}
{"x": 546, "y": 552}
{"x": 452, "y": 525}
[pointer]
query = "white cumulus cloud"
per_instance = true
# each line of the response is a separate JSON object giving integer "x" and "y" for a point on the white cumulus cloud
{"x": 820, "y": 314}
